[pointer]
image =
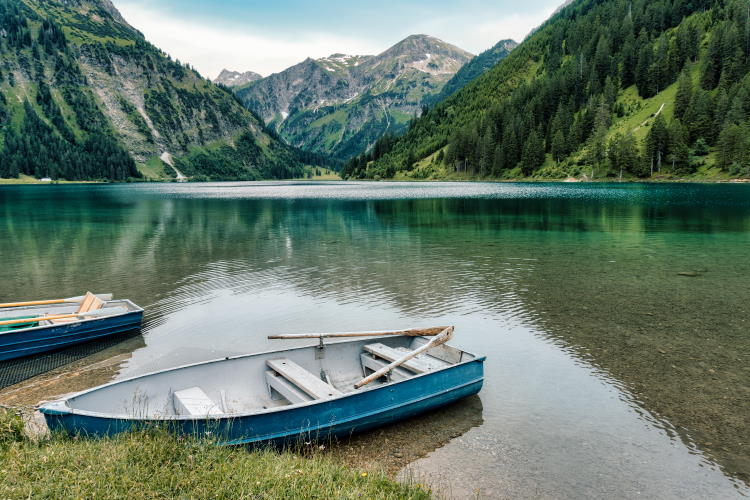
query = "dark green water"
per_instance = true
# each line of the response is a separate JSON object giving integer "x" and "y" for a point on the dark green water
{"x": 608, "y": 373}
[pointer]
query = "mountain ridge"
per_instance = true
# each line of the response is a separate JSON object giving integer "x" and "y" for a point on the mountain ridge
{"x": 341, "y": 103}
{"x": 85, "y": 96}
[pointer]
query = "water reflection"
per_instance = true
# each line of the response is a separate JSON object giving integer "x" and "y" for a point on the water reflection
{"x": 592, "y": 269}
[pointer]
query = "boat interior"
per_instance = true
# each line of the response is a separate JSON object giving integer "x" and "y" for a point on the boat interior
{"x": 36, "y": 315}
{"x": 262, "y": 382}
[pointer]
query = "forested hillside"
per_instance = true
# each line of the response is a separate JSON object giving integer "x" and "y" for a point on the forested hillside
{"x": 473, "y": 70}
{"x": 84, "y": 96}
{"x": 604, "y": 88}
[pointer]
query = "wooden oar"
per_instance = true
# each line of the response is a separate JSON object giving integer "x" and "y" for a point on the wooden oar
{"x": 99, "y": 312}
{"x": 103, "y": 296}
{"x": 444, "y": 337}
{"x": 416, "y": 332}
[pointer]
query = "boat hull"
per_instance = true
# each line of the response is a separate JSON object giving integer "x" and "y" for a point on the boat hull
{"x": 17, "y": 344}
{"x": 354, "y": 412}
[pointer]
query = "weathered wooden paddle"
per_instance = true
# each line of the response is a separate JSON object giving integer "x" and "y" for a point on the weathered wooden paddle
{"x": 444, "y": 337}
{"x": 416, "y": 332}
{"x": 102, "y": 296}
{"x": 99, "y": 312}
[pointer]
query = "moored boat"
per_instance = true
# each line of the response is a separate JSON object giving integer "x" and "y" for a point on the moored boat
{"x": 304, "y": 393}
{"x": 36, "y": 327}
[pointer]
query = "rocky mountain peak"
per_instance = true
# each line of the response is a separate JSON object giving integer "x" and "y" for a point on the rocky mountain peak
{"x": 506, "y": 45}
{"x": 235, "y": 78}
{"x": 416, "y": 47}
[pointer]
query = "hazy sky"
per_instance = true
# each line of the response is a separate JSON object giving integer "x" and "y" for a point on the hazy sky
{"x": 270, "y": 35}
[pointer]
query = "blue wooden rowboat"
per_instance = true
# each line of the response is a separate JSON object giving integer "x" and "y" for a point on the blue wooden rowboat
{"x": 48, "y": 326}
{"x": 292, "y": 395}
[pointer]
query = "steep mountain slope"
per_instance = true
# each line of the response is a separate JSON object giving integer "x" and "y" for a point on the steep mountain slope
{"x": 235, "y": 78}
{"x": 473, "y": 69}
{"x": 604, "y": 88}
{"x": 340, "y": 104}
{"x": 84, "y": 96}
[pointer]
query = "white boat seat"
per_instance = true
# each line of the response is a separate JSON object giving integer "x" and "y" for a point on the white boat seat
{"x": 195, "y": 402}
{"x": 422, "y": 363}
{"x": 375, "y": 364}
{"x": 286, "y": 388}
{"x": 303, "y": 379}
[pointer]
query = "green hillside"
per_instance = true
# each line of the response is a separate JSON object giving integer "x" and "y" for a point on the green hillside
{"x": 473, "y": 69}
{"x": 84, "y": 96}
{"x": 613, "y": 88}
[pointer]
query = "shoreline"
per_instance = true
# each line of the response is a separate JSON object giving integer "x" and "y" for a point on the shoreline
{"x": 28, "y": 182}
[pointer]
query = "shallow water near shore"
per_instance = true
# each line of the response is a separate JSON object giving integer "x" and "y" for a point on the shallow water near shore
{"x": 614, "y": 317}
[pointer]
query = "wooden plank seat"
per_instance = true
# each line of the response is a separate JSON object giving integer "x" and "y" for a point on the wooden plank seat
{"x": 422, "y": 363}
{"x": 195, "y": 402}
{"x": 373, "y": 363}
{"x": 300, "y": 379}
{"x": 286, "y": 388}
{"x": 89, "y": 303}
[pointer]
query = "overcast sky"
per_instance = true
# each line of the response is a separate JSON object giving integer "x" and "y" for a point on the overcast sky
{"x": 270, "y": 35}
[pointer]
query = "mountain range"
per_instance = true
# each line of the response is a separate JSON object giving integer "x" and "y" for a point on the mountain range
{"x": 84, "y": 96}
{"x": 339, "y": 105}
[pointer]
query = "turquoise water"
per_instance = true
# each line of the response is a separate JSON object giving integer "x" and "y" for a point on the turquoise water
{"x": 608, "y": 372}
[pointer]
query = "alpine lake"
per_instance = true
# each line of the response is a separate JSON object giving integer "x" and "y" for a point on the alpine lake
{"x": 615, "y": 317}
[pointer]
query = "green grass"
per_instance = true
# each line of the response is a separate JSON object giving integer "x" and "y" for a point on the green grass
{"x": 325, "y": 174}
{"x": 644, "y": 110}
{"x": 27, "y": 179}
{"x": 156, "y": 464}
{"x": 153, "y": 169}
{"x": 339, "y": 115}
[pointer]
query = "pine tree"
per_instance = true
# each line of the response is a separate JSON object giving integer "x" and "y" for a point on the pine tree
{"x": 643, "y": 75}
{"x": 624, "y": 154}
{"x": 533, "y": 153}
{"x": 679, "y": 152}
{"x": 657, "y": 143}
{"x": 684, "y": 95}
{"x": 732, "y": 148}
{"x": 558, "y": 148}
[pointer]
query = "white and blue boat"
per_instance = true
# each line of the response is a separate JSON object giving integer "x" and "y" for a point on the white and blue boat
{"x": 28, "y": 328}
{"x": 293, "y": 395}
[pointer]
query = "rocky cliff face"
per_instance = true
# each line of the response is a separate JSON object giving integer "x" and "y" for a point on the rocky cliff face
{"x": 235, "y": 78}
{"x": 87, "y": 74}
{"x": 339, "y": 105}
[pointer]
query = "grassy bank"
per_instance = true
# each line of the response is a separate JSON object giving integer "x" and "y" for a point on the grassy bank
{"x": 27, "y": 179}
{"x": 158, "y": 465}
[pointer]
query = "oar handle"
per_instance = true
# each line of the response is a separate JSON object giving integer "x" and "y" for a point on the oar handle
{"x": 36, "y": 320}
{"x": 102, "y": 296}
{"x": 414, "y": 332}
{"x": 33, "y": 303}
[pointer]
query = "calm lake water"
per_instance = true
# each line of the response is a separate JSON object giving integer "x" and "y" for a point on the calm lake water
{"x": 609, "y": 373}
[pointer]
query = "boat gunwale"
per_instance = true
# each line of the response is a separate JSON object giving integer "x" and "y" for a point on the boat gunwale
{"x": 138, "y": 309}
{"x": 48, "y": 408}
